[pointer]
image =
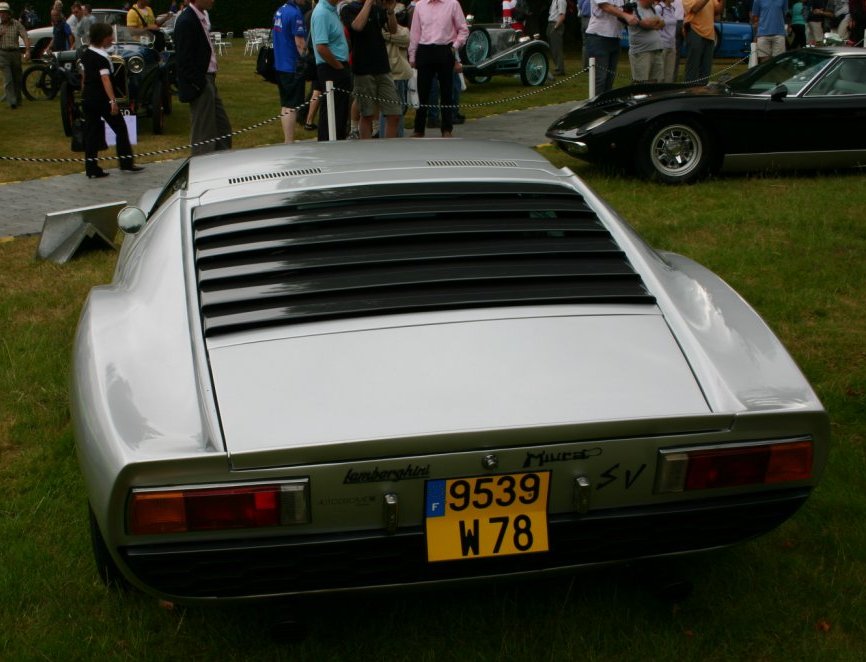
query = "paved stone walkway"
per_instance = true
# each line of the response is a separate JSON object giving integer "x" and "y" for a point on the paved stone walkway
{"x": 25, "y": 204}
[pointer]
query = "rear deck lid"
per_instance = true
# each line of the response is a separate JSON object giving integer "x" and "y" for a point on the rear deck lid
{"x": 385, "y": 312}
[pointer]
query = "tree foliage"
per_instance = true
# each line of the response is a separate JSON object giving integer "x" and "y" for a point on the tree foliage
{"x": 233, "y": 16}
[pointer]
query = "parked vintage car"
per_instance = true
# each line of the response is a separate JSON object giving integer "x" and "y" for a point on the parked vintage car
{"x": 40, "y": 38}
{"x": 758, "y": 120}
{"x": 733, "y": 39}
{"x": 143, "y": 79}
{"x": 493, "y": 49}
{"x": 335, "y": 366}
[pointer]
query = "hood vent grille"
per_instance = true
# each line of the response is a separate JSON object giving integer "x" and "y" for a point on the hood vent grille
{"x": 274, "y": 175}
{"x": 398, "y": 248}
{"x": 466, "y": 163}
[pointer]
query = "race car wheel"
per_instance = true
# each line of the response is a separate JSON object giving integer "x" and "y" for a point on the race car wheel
{"x": 675, "y": 152}
{"x": 166, "y": 99}
{"x": 157, "y": 111}
{"x": 67, "y": 107}
{"x": 533, "y": 69}
{"x": 480, "y": 80}
{"x": 36, "y": 83}
{"x": 477, "y": 47}
{"x": 105, "y": 565}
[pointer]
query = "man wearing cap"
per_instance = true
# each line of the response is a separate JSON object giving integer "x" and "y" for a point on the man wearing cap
{"x": 10, "y": 55}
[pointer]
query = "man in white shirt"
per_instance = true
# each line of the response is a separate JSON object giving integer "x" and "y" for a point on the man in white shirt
{"x": 602, "y": 40}
{"x": 75, "y": 16}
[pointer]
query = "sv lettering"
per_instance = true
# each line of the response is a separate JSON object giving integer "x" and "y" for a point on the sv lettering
{"x": 613, "y": 474}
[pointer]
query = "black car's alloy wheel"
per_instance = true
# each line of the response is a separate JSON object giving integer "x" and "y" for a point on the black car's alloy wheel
{"x": 676, "y": 152}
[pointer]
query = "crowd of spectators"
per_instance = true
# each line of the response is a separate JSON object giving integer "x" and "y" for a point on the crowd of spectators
{"x": 371, "y": 50}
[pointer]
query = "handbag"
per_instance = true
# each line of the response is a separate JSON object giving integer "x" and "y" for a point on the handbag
{"x": 265, "y": 66}
{"x": 77, "y": 135}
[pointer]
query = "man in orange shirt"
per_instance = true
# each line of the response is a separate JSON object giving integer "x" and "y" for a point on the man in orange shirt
{"x": 700, "y": 17}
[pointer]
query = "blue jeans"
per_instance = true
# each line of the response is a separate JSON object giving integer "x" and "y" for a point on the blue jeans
{"x": 605, "y": 50}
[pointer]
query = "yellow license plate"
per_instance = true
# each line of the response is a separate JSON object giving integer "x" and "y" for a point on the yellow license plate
{"x": 486, "y": 516}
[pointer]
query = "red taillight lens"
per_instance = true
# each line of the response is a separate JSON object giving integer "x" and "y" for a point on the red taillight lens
{"x": 764, "y": 463}
{"x": 219, "y": 508}
{"x": 727, "y": 468}
{"x": 233, "y": 508}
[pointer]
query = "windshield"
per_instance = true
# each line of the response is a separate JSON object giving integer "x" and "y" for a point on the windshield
{"x": 126, "y": 35}
{"x": 793, "y": 70}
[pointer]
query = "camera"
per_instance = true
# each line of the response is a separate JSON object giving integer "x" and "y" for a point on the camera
{"x": 628, "y": 8}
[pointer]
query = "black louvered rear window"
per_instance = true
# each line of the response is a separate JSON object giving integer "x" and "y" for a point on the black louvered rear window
{"x": 403, "y": 248}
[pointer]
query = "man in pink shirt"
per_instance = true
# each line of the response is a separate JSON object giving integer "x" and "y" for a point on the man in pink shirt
{"x": 438, "y": 30}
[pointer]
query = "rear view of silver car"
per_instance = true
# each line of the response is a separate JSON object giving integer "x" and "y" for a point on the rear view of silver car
{"x": 336, "y": 367}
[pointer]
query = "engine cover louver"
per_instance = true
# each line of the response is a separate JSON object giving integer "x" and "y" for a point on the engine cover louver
{"x": 281, "y": 174}
{"x": 404, "y": 248}
{"x": 472, "y": 163}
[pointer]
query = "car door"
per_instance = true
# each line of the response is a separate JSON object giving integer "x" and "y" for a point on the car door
{"x": 826, "y": 119}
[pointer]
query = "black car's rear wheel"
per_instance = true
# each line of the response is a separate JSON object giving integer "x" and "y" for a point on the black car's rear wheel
{"x": 674, "y": 151}
{"x": 533, "y": 69}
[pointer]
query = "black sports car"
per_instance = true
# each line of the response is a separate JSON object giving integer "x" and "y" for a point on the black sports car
{"x": 802, "y": 109}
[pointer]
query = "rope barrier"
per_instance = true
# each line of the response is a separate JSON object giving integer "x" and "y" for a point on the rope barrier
{"x": 157, "y": 152}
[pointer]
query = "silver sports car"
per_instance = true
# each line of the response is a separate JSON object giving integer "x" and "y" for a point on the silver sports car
{"x": 341, "y": 366}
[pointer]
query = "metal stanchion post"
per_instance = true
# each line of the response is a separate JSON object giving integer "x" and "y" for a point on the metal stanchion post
{"x": 591, "y": 77}
{"x": 753, "y": 56}
{"x": 332, "y": 113}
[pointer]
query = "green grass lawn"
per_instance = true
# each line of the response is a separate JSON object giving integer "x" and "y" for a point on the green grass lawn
{"x": 792, "y": 245}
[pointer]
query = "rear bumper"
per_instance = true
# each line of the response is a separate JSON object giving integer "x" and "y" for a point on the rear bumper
{"x": 366, "y": 560}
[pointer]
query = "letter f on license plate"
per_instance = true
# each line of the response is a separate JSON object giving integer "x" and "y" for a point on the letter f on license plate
{"x": 486, "y": 516}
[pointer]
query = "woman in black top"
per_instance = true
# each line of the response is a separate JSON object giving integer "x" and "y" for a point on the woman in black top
{"x": 100, "y": 103}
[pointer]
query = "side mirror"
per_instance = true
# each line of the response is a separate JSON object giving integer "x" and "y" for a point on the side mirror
{"x": 131, "y": 219}
{"x": 778, "y": 93}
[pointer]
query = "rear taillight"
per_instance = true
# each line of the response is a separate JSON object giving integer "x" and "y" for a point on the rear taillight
{"x": 681, "y": 470}
{"x": 218, "y": 508}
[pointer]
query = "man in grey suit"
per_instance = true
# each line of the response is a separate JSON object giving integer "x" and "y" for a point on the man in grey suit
{"x": 196, "y": 79}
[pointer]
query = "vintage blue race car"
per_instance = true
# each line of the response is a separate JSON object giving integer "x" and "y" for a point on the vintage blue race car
{"x": 733, "y": 40}
{"x": 495, "y": 49}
